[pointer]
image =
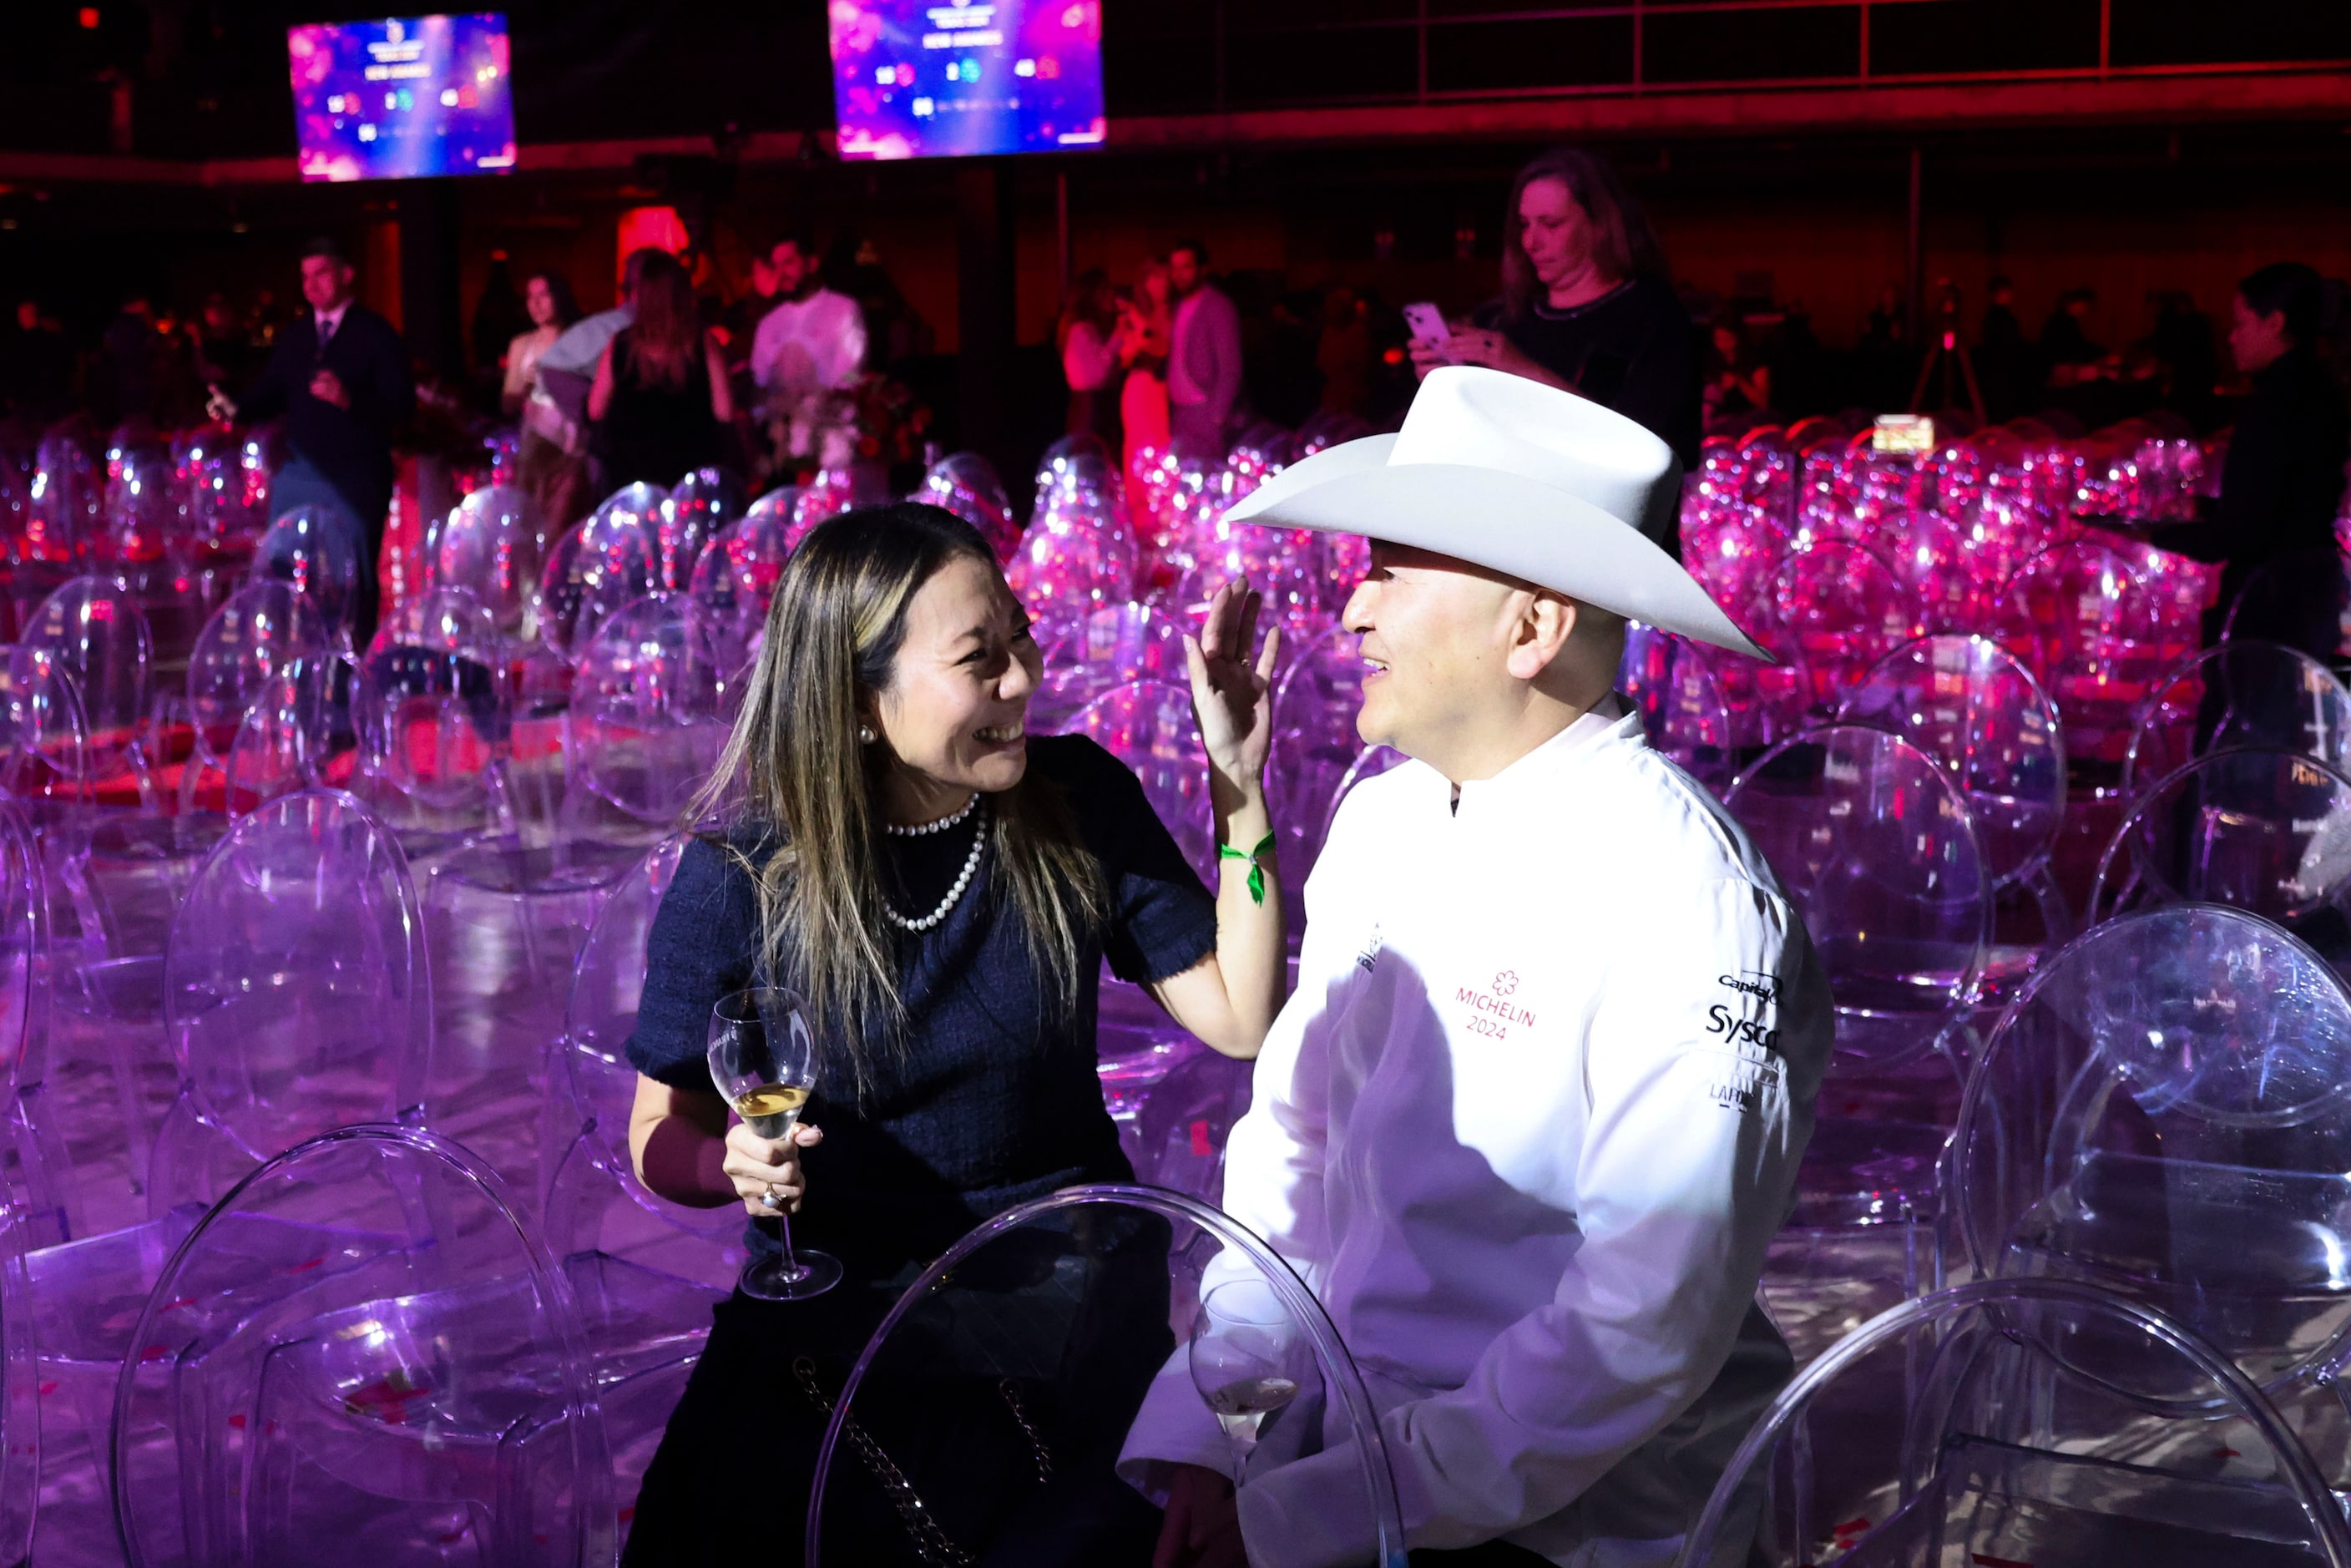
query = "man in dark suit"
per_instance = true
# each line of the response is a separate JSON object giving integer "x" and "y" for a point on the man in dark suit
{"x": 339, "y": 376}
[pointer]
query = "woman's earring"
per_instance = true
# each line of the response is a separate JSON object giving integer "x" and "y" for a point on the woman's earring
{"x": 865, "y": 735}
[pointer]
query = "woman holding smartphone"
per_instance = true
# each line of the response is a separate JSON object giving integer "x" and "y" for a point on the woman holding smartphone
{"x": 942, "y": 888}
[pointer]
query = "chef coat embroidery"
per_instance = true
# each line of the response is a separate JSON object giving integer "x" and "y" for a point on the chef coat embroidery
{"x": 1494, "y": 1011}
{"x": 1750, "y": 1016}
{"x": 1743, "y": 1087}
{"x": 1369, "y": 954}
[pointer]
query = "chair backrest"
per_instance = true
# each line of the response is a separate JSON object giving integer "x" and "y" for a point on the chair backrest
{"x": 736, "y": 580}
{"x": 297, "y": 992}
{"x": 1969, "y": 703}
{"x": 362, "y": 1351}
{"x": 1149, "y": 726}
{"x": 1962, "y": 1422}
{"x": 1844, "y": 609}
{"x": 434, "y": 708}
{"x": 44, "y": 730}
{"x": 649, "y": 707}
{"x": 99, "y": 637}
{"x": 592, "y": 571}
{"x": 2267, "y": 831}
{"x": 966, "y": 483}
{"x": 2238, "y": 693}
{"x": 68, "y": 499}
{"x": 142, "y": 502}
{"x": 1076, "y": 558}
{"x": 244, "y": 655}
{"x": 489, "y": 545}
{"x": 1877, "y": 850}
{"x": 607, "y": 985}
{"x": 1078, "y": 462}
{"x": 1062, "y": 1307}
{"x": 2160, "y": 1114}
{"x": 1672, "y": 685}
{"x": 698, "y": 509}
{"x": 318, "y": 550}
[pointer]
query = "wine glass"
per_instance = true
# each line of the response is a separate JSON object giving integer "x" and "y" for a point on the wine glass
{"x": 763, "y": 1058}
{"x": 1248, "y": 1360}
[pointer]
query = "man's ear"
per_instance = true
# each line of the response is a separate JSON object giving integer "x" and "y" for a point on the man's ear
{"x": 1544, "y": 625}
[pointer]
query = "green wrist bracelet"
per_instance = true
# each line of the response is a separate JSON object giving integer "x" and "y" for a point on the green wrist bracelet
{"x": 1257, "y": 867}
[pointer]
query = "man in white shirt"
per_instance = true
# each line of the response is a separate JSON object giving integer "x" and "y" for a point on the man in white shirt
{"x": 1204, "y": 359}
{"x": 1535, "y": 1109}
{"x": 815, "y": 340}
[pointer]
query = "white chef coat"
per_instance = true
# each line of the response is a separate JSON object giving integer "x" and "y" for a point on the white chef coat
{"x": 1526, "y": 1127}
{"x": 803, "y": 345}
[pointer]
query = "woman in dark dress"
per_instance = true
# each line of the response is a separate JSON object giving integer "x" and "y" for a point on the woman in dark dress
{"x": 943, "y": 889}
{"x": 1587, "y": 304}
{"x": 660, "y": 404}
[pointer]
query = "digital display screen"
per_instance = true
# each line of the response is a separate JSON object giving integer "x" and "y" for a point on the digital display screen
{"x": 916, "y": 80}
{"x": 404, "y": 98}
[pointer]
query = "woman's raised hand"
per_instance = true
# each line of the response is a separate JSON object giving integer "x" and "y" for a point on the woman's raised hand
{"x": 1233, "y": 697}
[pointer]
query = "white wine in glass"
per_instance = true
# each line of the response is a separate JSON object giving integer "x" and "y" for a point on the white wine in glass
{"x": 1248, "y": 1359}
{"x": 763, "y": 1060}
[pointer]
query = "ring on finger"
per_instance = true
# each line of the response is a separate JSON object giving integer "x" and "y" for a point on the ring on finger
{"x": 773, "y": 1197}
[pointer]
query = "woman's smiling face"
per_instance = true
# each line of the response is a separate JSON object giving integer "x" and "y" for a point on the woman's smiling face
{"x": 956, "y": 711}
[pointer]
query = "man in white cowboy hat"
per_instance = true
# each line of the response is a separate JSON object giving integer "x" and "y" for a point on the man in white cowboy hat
{"x": 1535, "y": 1109}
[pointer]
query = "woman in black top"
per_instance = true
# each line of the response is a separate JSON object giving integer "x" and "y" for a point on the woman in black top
{"x": 943, "y": 889}
{"x": 2282, "y": 481}
{"x": 660, "y": 400}
{"x": 1586, "y": 303}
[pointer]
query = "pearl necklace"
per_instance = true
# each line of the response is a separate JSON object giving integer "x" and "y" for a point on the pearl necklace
{"x": 962, "y": 878}
{"x": 941, "y": 826}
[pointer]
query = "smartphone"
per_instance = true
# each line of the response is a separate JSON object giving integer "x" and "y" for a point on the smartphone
{"x": 1427, "y": 322}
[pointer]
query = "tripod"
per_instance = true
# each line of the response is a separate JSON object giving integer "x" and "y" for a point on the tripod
{"x": 1944, "y": 354}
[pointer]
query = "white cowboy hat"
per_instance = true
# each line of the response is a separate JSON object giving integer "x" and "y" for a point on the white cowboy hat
{"x": 1527, "y": 479}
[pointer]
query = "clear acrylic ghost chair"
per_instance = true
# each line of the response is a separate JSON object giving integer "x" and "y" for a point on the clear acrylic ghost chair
{"x": 2161, "y": 1115}
{"x": 1843, "y": 610}
{"x": 1970, "y": 1426}
{"x": 1672, "y": 686}
{"x": 1149, "y": 726}
{"x": 2239, "y": 694}
{"x": 700, "y": 508}
{"x": 966, "y": 483}
{"x": 20, "y": 1383}
{"x": 434, "y": 710}
{"x": 1970, "y": 705}
{"x": 363, "y": 1352}
{"x": 645, "y": 1271}
{"x": 636, "y": 507}
{"x": 1077, "y": 558}
{"x": 297, "y": 993}
{"x": 2081, "y": 618}
{"x": 736, "y": 580}
{"x": 1081, "y": 461}
{"x": 318, "y": 550}
{"x": 1177, "y": 1135}
{"x": 1055, "y": 1319}
{"x": 64, "y": 517}
{"x": 100, "y": 637}
{"x": 1874, "y": 845}
{"x": 268, "y": 644}
{"x": 2267, "y": 831}
{"x": 592, "y": 571}
{"x": 1108, "y": 648}
{"x": 649, "y": 709}
{"x": 489, "y": 545}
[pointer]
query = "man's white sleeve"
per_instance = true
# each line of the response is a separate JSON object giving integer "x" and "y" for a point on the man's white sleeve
{"x": 767, "y": 345}
{"x": 1273, "y": 1184}
{"x": 849, "y": 345}
{"x": 1690, "y": 1154}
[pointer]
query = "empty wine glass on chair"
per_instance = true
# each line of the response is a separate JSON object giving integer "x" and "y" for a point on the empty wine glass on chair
{"x": 1249, "y": 1358}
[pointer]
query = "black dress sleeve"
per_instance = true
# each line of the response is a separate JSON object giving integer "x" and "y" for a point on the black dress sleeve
{"x": 1660, "y": 388}
{"x": 1162, "y": 921}
{"x": 705, "y": 943}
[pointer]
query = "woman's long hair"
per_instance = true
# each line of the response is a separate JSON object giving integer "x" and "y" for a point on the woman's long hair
{"x": 794, "y": 764}
{"x": 1089, "y": 300}
{"x": 666, "y": 338}
{"x": 1623, "y": 242}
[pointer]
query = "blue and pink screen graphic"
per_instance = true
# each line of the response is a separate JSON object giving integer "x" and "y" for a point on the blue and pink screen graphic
{"x": 914, "y": 80}
{"x": 402, "y": 99}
